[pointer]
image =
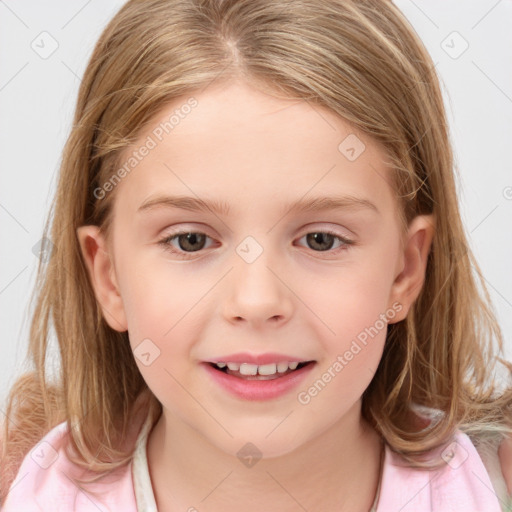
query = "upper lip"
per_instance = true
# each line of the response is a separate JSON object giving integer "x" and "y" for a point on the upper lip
{"x": 258, "y": 359}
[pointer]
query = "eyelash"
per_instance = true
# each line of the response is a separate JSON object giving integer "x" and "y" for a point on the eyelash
{"x": 165, "y": 242}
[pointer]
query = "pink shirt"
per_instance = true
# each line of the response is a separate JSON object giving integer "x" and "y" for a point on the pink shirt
{"x": 43, "y": 482}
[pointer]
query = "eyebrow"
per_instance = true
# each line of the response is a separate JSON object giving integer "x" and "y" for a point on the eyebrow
{"x": 311, "y": 205}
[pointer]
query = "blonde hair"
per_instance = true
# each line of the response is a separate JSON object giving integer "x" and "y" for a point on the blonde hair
{"x": 363, "y": 61}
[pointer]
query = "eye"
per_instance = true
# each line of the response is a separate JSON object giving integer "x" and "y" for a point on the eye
{"x": 323, "y": 241}
{"x": 187, "y": 241}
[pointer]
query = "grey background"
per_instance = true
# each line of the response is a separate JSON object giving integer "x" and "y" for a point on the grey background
{"x": 44, "y": 47}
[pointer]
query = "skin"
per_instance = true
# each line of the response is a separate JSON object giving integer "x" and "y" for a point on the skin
{"x": 257, "y": 152}
{"x": 505, "y": 455}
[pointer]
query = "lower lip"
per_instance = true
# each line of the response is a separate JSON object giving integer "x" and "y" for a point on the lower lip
{"x": 259, "y": 389}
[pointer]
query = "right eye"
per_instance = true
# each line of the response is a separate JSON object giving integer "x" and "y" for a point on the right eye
{"x": 188, "y": 242}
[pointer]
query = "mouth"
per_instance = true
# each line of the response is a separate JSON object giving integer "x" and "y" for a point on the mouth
{"x": 254, "y": 382}
{"x": 271, "y": 371}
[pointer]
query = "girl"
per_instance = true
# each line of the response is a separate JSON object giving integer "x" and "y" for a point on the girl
{"x": 260, "y": 283}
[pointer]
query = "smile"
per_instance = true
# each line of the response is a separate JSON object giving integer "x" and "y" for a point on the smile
{"x": 246, "y": 382}
{"x": 259, "y": 372}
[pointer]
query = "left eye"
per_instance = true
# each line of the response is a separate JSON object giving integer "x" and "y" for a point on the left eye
{"x": 324, "y": 240}
{"x": 190, "y": 242}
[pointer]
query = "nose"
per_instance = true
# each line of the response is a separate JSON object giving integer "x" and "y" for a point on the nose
{"x": 257, "y": 294}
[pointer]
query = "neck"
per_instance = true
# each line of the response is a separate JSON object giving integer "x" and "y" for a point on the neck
{"x": 337, "y": 470}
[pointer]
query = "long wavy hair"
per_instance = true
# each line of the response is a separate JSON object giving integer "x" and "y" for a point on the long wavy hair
{"x": 363, "y": 61}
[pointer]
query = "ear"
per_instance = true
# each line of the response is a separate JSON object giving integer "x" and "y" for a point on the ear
{"x": 102, "y": 275}
{"x": 413, "y": 263}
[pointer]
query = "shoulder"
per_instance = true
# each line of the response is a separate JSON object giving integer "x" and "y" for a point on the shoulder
{"x": 461, "y": 482}
{"x": 47, "y": 479}
{"x": 505, "y": 457}
{"x": 495, "y": 450}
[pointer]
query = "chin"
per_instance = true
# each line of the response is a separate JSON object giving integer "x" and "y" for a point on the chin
{"x": 261, "y": 445}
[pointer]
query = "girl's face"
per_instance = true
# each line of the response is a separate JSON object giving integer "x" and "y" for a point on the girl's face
{"x": 261, "y": 275}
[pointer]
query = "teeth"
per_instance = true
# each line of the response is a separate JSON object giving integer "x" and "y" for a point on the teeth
{"x": 248, "y": 369}
{"x": 267, "y": 369}
{"x": 282, "y": 367}
{"x": 254, "y": 369}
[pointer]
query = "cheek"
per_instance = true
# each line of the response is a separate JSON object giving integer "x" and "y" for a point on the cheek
{"x": 164, "y": 307}
{"x": 156, "y": 296}
{"x": 351, "y": 309}
{"x": 352, "y": 350}
{"x": 161, "y": 327}
{"x": 347, "y": 300}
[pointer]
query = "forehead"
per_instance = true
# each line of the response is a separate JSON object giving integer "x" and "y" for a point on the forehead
{"x": 243, "y": 146}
